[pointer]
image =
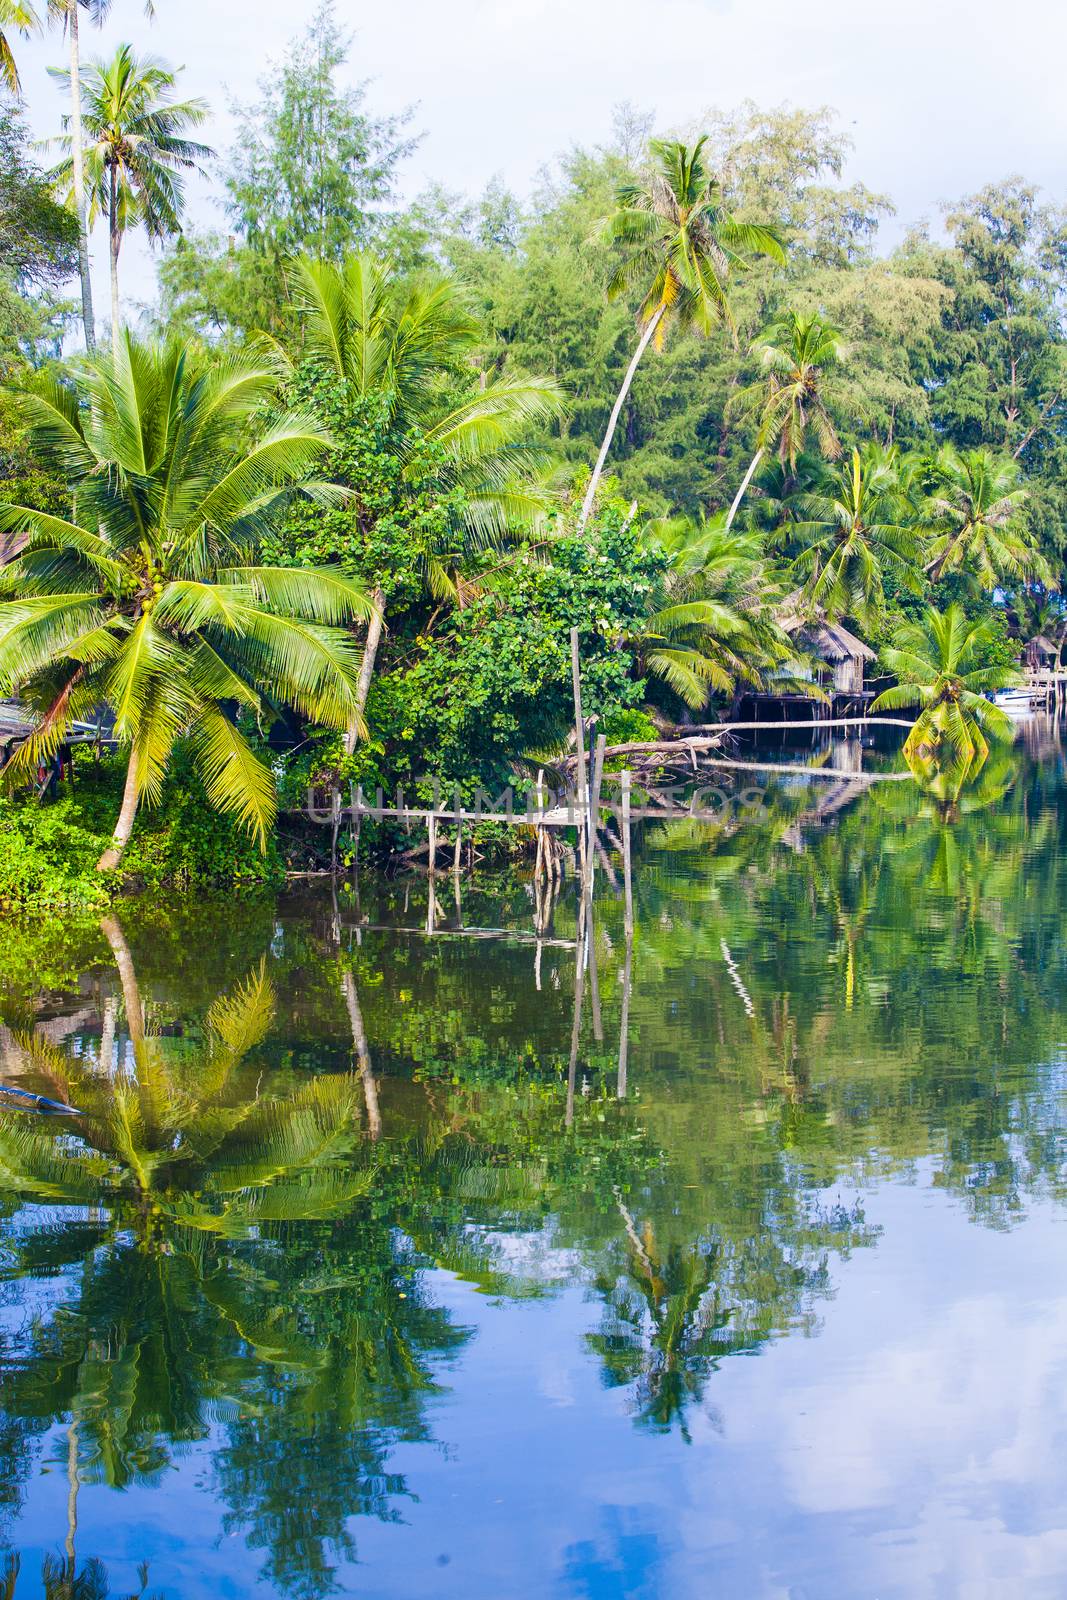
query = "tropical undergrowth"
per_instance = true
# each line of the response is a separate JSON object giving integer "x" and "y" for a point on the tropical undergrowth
{"x": 51, "y": 846}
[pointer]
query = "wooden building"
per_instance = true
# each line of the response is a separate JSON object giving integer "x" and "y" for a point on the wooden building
{"x": 843, "y": 658}
{"x": 828, "y": 655}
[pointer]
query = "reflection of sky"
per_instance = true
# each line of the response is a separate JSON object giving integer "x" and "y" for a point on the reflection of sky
{"x": 914, "y": 1448}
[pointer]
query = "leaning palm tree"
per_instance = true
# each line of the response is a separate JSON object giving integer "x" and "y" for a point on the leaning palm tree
{"x": 135, "y": 150}
{"x": 860, "y": 528}
{"x": 681, "y": 245}
{"x": 798, "y": 355}
{"x": 13, "y": 14}
{"x": 148, "y": 600}
{"x": 714, "y": 628}
{"x": 976, "y": 497}
{"x": 934, "y": 662}
{"x": 409, "y": 344}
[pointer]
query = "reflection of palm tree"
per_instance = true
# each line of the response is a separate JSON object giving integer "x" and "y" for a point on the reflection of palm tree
{"x": 183, "y": 1153}
{"x": 61, "y": 1580}
{"x": 673, "y": 1286}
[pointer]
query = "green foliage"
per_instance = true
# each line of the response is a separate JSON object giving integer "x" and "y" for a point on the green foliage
{"x": 51, "y": 847}
{"x": 312, "y": 168}
{"x": 493, "y": 680}
{"x": 628, "y": 725}
{"x": 401, "y": 511}
{"x": 37, "y": 250}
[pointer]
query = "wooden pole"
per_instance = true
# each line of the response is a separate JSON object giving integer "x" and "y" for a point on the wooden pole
{"x": 628, "y": 926}
{"x": 594, "y": 808}
{"x": 576, "y": 1026}
{"x": 627, "y": 867}
{"x": 594, "y": 976}
{"x": 432, "y": 820}
{"x": 335, "y": 806}
{"x": 624, "y": 1026}
{"x": 579, "y": 729}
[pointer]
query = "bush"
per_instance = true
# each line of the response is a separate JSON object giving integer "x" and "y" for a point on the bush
{"x": 50, "y": 847}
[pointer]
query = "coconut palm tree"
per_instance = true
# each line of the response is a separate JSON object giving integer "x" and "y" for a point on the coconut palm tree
{"x": 976, "y": 496}
{"x": 66, "y": 12}
{"x": 934, "y": 662}
{"x": 859, "y": 528}
{"x": 798, "y": 355}
{"x": 148, "y": 599}
{"x": 681, "y": 244}
{"x": 135, "y": 149}
{"x": 13, "y": 14}
{"x": 714, "y": 628}
{"x": 410, "y": 343}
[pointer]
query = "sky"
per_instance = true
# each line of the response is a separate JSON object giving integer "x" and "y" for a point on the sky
{"x": 938, "y": 96}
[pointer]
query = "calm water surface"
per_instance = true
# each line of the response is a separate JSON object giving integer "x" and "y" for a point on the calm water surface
{"x": 353, "y": 1276}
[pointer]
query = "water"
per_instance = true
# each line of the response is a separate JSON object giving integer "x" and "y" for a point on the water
{"x": 770, "y": 1304}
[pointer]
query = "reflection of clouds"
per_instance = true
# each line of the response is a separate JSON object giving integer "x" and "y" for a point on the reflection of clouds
{"x": 946, "y": 1402}
{"x": 953, "y": 1429}
{"x": 532, "y": 1256}
{"x": 916, "y": 1449}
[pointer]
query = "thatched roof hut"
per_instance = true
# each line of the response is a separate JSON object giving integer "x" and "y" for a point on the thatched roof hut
{"x": 1041, "y": 652}
{"x": 831, "y": 642}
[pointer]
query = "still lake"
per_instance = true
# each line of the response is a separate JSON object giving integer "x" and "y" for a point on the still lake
{"x": 350, "y": 1277}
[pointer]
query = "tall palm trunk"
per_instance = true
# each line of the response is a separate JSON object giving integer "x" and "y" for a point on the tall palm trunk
{"x": 646, "y": 339}
{"x": 124, "y": 826}
{"x": 78, "y": 158}
{"x": 745, "y": 481}
{"x": 116, "y": 245}
{"x": 366, "y": 667}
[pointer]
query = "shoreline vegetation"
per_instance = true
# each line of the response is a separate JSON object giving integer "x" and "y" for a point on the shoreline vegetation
{"x": 461, "y": 487}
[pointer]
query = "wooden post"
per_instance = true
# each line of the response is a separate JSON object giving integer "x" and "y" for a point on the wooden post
{"x": 594, "y": 975}
{"x": 624, "y": 1025}
{"x": 579, "y": 732}
{"x": 432, "y": 821}
{"x": 628, "y": 927}
{"x": 627, "y": 868}
{"x": 335, "y": 807}
{"x": 541, "y": 866}
{"x": 357, "y": 825}
{"x": 594, "y": 808}
{"x": 576, "y": 1026}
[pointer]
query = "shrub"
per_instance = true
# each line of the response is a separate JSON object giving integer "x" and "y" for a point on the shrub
{"x": 50, "y": 847}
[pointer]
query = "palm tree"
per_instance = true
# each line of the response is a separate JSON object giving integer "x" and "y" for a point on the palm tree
{"x": 410, "y": 342}
{"x": 930, "y": 661}
{"x": 797, "y": 353}
{"x": 67, "y": 13}
{"x": 135, "y": 150}
{"x": 682, "y": 245}
{"x": 857, "y": 530}
{"x": 975, "y": 498}
{"x": 148, "y": 600}
{"x": 714, "y": 627}
{"x": 13, "y": 14}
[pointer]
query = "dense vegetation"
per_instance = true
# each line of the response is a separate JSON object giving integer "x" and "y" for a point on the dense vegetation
{"x": 674, "y": 388}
